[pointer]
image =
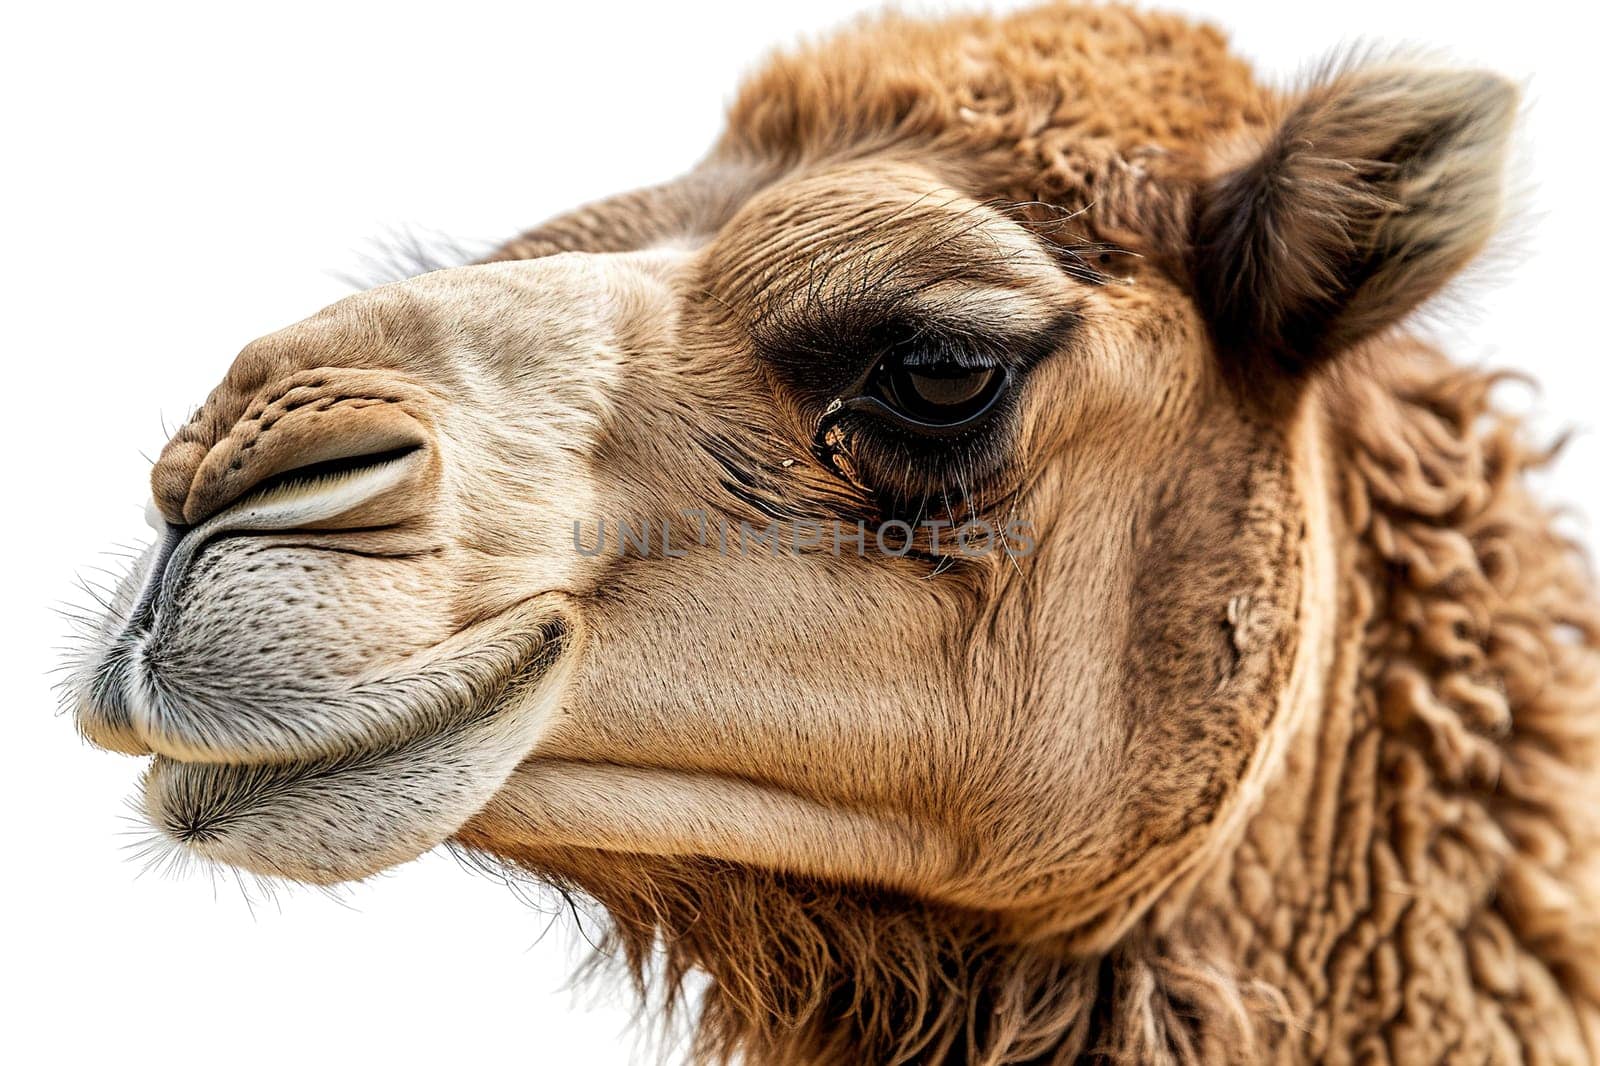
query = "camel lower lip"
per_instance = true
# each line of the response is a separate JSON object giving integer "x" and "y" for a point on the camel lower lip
{"x": 446, "y": 685}
{"x": 342, "y": 817}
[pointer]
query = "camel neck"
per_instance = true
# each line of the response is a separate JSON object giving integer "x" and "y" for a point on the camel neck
{"x": 1407, "y": 887}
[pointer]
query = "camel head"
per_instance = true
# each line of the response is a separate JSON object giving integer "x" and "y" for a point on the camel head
{"x": 924, "y": 498}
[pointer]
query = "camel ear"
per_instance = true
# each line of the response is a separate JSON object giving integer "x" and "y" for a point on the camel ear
{"x": 1375, "y": 188}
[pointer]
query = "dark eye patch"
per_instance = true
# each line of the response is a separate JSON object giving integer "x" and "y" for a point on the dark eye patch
{"x": 825, "y": 356}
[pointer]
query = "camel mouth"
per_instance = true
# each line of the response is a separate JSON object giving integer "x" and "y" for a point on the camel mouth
{"x": 314, "y": 706}
{"x": 131, "y": 704}
{"x": 346, "y": 815}
{"x": 127, "y": 703}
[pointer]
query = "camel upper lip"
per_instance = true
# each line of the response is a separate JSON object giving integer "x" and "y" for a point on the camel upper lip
{"x": 291, "y": 500}
{"x": 122, "y": 693}
{"x": 132, "y": 709}
{"x": 126, "y": 705}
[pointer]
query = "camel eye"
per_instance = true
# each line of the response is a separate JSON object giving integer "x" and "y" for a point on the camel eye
{"x": 940, "y": 395}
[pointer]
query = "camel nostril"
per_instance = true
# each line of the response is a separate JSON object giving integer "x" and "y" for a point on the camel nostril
{"x": 307, "y": 435}
{"x": 331, "y": 470}
{"x": 353, "y": 490}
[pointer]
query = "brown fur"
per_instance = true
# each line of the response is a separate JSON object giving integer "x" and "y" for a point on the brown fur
{"x": 1415, "y": 888}
{"x": 1280, "y": 747}
{"x": 1420, "y": 885}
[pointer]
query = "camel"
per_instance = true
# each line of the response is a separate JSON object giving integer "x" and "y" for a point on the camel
{"x": 981, "y": 570}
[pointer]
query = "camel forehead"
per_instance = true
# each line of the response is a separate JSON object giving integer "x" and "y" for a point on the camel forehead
{"x": 1124, "y": 79}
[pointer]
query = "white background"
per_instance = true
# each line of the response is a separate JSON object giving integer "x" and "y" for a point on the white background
{"x": 178, "y": 180}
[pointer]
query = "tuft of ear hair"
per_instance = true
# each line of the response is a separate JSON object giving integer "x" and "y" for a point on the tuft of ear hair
{"x": 1376, "y": 187}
